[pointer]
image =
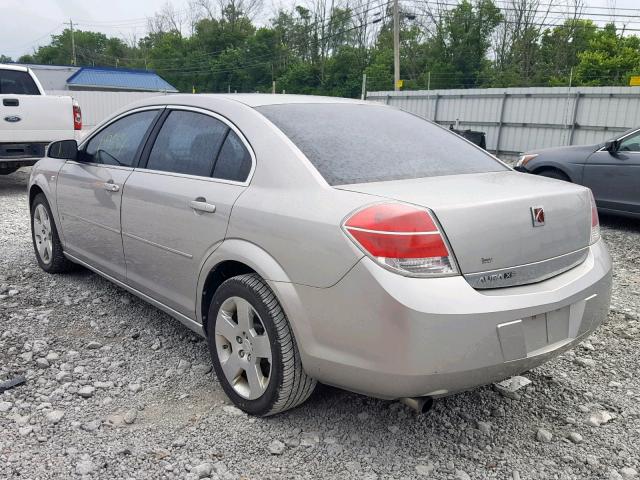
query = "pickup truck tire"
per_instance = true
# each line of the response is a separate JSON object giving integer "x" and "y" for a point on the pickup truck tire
{"x": 46, "y": 242}
{"x": 266, "y": 335}
{"x": 8, "y": 170}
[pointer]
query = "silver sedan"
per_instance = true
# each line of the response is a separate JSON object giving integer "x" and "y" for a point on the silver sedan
{"x": 326, "y": 240}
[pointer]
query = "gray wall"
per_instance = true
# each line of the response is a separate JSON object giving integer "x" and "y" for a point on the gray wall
{"x": 521, "y": 119}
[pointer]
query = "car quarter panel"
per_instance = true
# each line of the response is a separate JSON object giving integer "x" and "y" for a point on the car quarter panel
{"x": 390, "y": 336}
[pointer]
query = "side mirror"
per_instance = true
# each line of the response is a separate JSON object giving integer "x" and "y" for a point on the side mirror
{"x": 612, "y": 146}
{"x": 64, "y": 149}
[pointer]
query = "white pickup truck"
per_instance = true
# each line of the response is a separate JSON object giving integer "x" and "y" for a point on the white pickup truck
{"x": 30, "y": 119}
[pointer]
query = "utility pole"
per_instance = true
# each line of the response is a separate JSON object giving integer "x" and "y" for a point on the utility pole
{"x": 396, "y": 46}
{"x": 73, "y": 44}
{"x": 363, "y": 95}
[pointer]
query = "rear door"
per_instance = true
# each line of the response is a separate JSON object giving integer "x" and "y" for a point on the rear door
{"x": 89, "y": 191}
{"x": 614, "y": 178}
{"x": 176, "y": 208}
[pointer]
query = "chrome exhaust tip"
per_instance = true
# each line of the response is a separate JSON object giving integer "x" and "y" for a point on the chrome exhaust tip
{"x": 419, "y": 404}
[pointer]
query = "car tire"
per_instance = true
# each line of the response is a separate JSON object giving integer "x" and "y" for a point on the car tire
{"x": 245, "y": 325}
{"x": 552, "y": 173}
{"x": 46, "y": 242}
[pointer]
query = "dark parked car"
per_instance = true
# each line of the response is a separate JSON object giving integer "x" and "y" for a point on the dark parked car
{"x": 611, "y": 169}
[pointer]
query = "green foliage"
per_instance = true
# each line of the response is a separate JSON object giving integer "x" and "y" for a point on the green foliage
{"x": 326, "y": 52}
{"x": 610, "y": 57}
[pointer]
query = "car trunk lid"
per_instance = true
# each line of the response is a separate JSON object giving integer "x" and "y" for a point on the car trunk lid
{"x": 488, "y": 219}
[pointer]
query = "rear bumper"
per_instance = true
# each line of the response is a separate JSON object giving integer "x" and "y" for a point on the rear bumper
{"x": 21, "y": 154}
{"x": 389, "y": 336}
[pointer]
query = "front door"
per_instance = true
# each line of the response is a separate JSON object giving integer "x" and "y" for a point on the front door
{"x": 176, "y": 209}
{"x": 89, "y": 192}
{"x": 614, "y": 177}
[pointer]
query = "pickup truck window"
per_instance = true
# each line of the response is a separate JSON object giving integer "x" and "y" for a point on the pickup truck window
{"x": 14, "y": 82}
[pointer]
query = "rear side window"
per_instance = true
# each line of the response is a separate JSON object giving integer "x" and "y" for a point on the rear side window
{"x": 356, "y": 143}
{"x": 13, "y": 82}
{"x": 234, "y": 161}
{"x": 188, "y": 143}
{"x": 118, "y": 143}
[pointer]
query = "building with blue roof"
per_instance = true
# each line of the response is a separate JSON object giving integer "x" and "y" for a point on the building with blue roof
{"x": 123, "y": 79}
{"x": 64, "y": 77}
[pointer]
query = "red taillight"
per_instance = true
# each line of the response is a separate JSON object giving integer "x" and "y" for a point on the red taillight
{"x": 595, "y": 220}
{"x": 77, "y": 116}
{"x": 401, "y": 237}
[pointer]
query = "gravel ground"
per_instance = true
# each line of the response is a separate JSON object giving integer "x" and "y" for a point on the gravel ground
{"x": 117, "y": 389}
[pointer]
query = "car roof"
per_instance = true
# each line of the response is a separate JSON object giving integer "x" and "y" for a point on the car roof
{"x": 262, "y": 99}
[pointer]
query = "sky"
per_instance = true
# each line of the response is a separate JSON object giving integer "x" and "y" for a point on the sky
{"x": 26, "y": 24}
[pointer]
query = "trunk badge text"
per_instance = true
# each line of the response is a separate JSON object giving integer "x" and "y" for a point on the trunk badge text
{"x": 12, "y": 119}
{"x": 495, "y": 277}
{"x": 537, "y": 216}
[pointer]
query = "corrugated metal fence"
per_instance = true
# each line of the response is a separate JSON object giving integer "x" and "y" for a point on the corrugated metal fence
{"x": 521, "y": 119}
{"x": 98, "y": 105}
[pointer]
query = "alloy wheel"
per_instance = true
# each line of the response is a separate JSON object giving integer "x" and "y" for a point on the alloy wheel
{"x": 243, "y": 348}
{"x": 42, "y": 233}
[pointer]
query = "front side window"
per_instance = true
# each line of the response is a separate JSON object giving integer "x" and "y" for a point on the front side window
{"x": 356, "y": 143}
{"x": 188, "y": 143}
{"x": 14, "y": 82}
{"x": 234, "y": 161}
{"x": 118, "y": 143}
{"x": 631, "y": 143}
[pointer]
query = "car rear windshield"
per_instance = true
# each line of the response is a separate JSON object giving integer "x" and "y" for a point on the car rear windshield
{"x": 15, "y": 82}
{"x": 358, "y": 143}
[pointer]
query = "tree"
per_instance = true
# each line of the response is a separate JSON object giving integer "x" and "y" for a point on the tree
{"x": 610, "y": 59}
{"x": 323, "y": 47}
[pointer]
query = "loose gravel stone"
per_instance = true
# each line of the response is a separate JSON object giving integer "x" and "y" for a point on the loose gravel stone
{"x": 130, "y": 416}
{"x": 425, "y": 470}
{"x": 543, "y": 435}
{"x": 85, "y": 467}
{"x": 86, "y": 392}
{"x": 462, "y": 475}
{"x": 485, "y": 427}
{"x": 276, "y": 447}
{"x": 585, "y": 362}
{"x": 599, "y": 418}
{"x": 55, "y": 416}
{"x": 575, "y": 437}
{"x": 93, "y": 345}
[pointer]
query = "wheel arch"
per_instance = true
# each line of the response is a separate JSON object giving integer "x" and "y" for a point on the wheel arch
{"x": 233, "y": 257}
{"x": 547, "y": 168}
{"x": 34, "y": 190}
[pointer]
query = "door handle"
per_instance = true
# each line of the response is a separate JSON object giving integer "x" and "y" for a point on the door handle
{"x": 10, "y": 102}
{"x": 200, "y": 204}
{"x": 111, "y": 187}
